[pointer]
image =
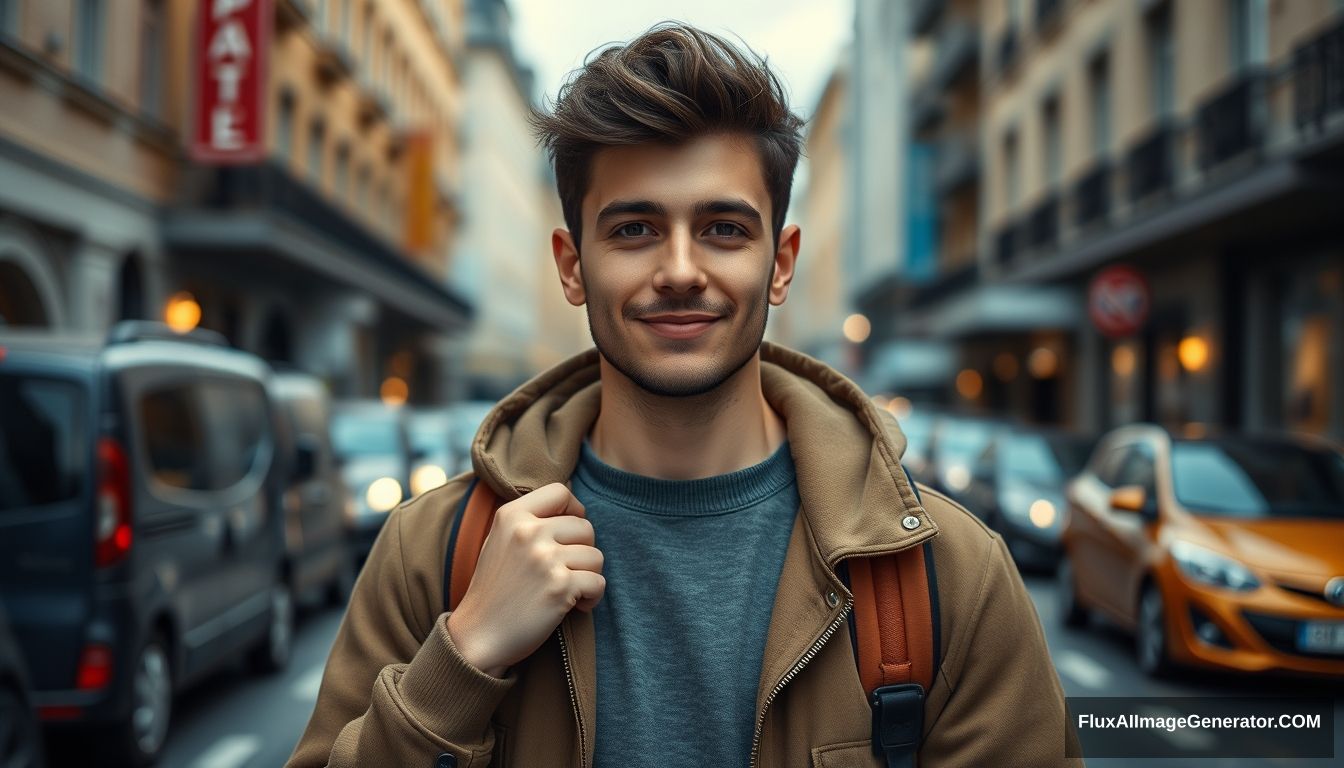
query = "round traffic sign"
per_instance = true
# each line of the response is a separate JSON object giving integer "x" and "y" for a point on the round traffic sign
{"x": 1117, "y": 301}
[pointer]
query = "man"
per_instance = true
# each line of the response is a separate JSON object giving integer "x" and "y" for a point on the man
{"x": 662, "y": 585}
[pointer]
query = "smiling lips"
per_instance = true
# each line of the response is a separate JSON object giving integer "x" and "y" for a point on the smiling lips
{"x": 679, "y": 326}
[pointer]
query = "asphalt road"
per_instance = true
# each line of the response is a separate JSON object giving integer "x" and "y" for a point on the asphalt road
{"x": 239, "y": 720}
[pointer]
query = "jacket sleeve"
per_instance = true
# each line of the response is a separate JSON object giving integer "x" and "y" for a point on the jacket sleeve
{"x": 395, "y": 692}
{"x": 1006, "y": 706}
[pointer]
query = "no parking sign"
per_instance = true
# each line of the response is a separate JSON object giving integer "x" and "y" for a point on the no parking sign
{"x": 1117, "y": 301}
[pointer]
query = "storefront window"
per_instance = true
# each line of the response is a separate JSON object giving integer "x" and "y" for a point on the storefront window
{"x": 1311, "y": 328}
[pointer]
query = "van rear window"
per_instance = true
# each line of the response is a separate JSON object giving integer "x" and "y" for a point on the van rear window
{"x": 44, "y": 442}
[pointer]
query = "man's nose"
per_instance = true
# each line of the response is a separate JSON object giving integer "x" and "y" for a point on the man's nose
{"x": 678, "y": 265}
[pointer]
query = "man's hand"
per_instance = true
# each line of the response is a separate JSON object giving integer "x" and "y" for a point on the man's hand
{"x": 537, "y": 564}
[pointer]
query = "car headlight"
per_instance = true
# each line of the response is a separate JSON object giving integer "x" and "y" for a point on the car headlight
{"x": 426, "y": 478}
{"x": 1208, "y": 567}
{"x": 383, "y": 494}
{"x": 1027, "y": 506}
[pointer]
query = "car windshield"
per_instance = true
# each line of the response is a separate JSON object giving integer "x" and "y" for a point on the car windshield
{"x": 366, "y": 434}
{"x": 1258, "y": 479}
{"x": 963, "y": 439}
{"x": 1043, "y": 459}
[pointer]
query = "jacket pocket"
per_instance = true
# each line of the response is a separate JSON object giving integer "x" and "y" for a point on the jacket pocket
{"x": 849, "y": 754}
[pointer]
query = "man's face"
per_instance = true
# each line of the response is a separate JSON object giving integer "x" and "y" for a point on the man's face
{"x": 678, "y": 264}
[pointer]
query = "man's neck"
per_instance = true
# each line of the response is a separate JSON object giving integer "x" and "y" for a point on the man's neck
{"x": 683, "y": 438}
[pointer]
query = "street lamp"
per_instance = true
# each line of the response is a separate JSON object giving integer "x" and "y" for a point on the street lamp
{"x": 182, "y": 313}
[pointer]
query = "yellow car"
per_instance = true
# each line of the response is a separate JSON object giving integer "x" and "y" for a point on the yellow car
{"x": 1225, "y": 552}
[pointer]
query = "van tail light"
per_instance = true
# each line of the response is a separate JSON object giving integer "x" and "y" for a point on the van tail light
{"x": 95, "y": 668}
{"x": 113, "y": 513}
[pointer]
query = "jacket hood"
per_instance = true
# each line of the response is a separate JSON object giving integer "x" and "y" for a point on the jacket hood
{"x": 846, "y": 451}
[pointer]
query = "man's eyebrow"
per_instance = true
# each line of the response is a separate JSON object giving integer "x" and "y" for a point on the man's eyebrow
{"x": 736, "y": 205}
{"x": 623, "y": 207}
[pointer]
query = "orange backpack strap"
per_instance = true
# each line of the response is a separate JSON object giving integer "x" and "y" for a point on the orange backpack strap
{"x": 896, "y": 645}
{"x": 470, "y": 526}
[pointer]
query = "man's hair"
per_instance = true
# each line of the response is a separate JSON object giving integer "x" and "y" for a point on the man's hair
{"x": 671, "y": 84}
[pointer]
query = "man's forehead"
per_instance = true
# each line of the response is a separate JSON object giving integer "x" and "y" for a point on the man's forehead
{"x": 713, "y": 166}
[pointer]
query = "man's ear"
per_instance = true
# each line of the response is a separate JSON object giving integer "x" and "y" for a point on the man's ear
{"x": 567, "y": 264}
{"x": 786, "y": 257}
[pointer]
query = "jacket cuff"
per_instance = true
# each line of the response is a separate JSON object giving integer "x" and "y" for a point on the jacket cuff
{"x": 446, "y": 693}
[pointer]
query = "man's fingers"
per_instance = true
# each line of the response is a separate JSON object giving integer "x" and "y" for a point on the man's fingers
{"x": 590, "y": 587}
{"x": 579, "y": 557}
{"x": 568, "y": 530}
{"x": 551, "y": 501}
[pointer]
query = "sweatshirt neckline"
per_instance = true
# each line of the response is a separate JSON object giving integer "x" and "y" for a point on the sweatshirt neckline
{"x": 700, "y": 497}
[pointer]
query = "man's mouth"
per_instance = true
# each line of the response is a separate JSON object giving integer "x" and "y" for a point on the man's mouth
{"x": 687, "y": 326}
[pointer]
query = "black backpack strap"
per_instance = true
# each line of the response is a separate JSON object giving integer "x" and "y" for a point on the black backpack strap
{"x": 452, "y": 546}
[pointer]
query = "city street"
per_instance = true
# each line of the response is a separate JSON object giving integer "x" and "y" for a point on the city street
{"x": 236, "y": 720}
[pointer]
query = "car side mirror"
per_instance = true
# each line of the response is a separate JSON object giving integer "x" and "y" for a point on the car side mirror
{"x": 1133, "y": 498}
{"x": 305, "y": 457}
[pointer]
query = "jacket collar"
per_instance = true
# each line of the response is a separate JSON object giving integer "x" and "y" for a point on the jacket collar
{"x": 846, "y": 451}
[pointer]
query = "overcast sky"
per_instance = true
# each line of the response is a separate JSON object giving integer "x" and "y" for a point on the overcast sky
{"x": 801, "y": 38}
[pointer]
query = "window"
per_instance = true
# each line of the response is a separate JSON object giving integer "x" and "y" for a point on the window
{"x": 1099, "y": 96}
{"x": 1161, "y": 62}
{"x": 175, "y": 438}
{"x": 151, "y": 58}
{"x": 1138, "y": 469}
{"x": 342, "y": 170}
{"x": 316, "y": 135}
{"x": 44, "y": 449}
{"x": 1247, "y": 23}
{"x": 284, "y": 126}
{"x": 1012, "y": 180}
{"x": 89, "y": 40}
{"x": 235, "y": 417}
{"x": 1053, "y": 150}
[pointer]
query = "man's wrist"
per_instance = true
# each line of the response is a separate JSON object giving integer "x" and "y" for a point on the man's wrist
{"x": 470, "y": 652}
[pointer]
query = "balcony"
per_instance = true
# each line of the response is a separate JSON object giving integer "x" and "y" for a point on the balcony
{"x": 1047, "y": 13}
{"x": 1149, "y": 163}
{"x": 958, "y": 163}
{"x": 958, "y": 49}
{"x": 924, "y": 15}
{"x": 1006, "y": 243}
{"x": 1043, "y": 225}
{"x": 1005, "y": 52}
{"x": 334, "y": 62}
{"x": 1318, "y": 79}
{"x": 926, "y": 107}
{"x": 292, "y": 13}
{"x": 1232, "y": 121}
{"x": 1092, "y": 196}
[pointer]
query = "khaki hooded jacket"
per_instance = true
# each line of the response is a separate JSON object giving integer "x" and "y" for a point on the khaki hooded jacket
{"x": 396, "y": 693}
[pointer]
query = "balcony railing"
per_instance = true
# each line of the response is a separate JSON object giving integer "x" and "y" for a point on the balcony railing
{"x": 1043, "y": 226}
{"x": 1005, "y": 52}
{"x": 1006, "y": 244}
{"x": 1232, "y": 121}
{"x": 1092, "y": 196}
{"x": 1149, "y": 163}
{"x": 924, "y": 15}
{"x": 1318, "y": 78}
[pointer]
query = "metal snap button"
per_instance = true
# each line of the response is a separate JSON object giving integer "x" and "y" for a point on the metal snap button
{"x": 832, "y": 599}
{"x": 910, "y": 522}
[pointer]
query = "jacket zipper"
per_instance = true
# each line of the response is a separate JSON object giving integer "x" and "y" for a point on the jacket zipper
{"x": 573, "y": 699}
{"x": 792, "y": 673}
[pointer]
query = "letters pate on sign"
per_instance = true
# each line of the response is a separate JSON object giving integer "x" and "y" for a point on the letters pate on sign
{"x": 232, "y": 42}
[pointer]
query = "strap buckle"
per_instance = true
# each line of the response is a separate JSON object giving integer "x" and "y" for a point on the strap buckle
{"x": 898, "y": 723}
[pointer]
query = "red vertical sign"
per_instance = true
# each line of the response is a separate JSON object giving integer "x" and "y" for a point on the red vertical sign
{"x": 232, "y": 42}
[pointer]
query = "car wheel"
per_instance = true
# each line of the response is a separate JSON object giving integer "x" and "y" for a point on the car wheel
{"x": 272, "y": 653}
{"x": 20, "y": 737}
{"x": 140, "y": 738}
{"x": 1150, "y": 636}
{"x": 1071, "y": 612}
{"x": 343, "y": 583}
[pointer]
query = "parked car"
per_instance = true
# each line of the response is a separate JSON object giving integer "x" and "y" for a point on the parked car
{"x": 466, "y": 421}
{"x": 141, "y": 546}
{"x": 1017, "y": 488}
{"x": 1225, "y": 552}
{"x": 319, "y": 553}
{"x": 373, "y": 445}
{"x": 917, "y": 426}
{"x": 20, "y": 737}
{"x": 954, "y": 444}
{"x": 432, "y": 448}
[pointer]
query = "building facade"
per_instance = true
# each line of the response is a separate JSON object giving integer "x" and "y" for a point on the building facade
{"x": 329, "y": 253}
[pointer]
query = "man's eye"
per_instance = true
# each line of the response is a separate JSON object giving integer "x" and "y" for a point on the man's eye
{"x": 634, "y": 229}
{"x": 726, "y": 229}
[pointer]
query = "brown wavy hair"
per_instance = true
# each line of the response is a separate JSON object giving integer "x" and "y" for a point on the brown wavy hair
{"x": 669, "y": 85}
